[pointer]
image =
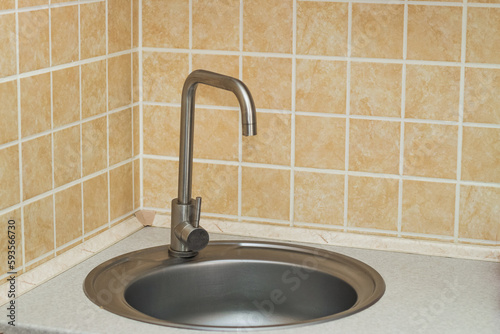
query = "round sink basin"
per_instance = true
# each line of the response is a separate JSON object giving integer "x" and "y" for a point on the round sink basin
{"x": 234, "y": 284}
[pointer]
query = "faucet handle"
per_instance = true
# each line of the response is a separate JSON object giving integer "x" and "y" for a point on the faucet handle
{"x": 197, "y": 212}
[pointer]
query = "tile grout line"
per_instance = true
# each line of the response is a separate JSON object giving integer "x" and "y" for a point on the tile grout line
{"x": 52, "y": 132}
{"x": 240, "y": 131}
{"x": 81, "y": 115}
{"x": 132, "y": 111}
{"x": 190, "y": 36}
{"x": 107, "y": 117}
{"x": 293, "y": 107}
{"x": 347, "y": 115}
{"x": 141, "y": 121}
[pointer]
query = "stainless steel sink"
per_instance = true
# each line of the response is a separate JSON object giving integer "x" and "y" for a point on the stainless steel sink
{"x": 233, "y": 284}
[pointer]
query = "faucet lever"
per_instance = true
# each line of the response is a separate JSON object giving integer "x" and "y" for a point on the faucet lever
{"x": 197, "y": 212}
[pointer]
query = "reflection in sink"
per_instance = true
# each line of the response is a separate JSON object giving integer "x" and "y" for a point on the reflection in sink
{"x": 233, "y": 284}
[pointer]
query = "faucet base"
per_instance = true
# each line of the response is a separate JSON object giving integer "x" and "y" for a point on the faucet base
{"x": 183, "y": 254}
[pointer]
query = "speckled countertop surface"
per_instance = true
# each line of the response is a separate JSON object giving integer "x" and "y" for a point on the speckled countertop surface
{"x": 424, "y": 295}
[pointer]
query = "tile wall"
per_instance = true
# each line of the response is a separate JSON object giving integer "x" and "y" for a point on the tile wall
{"x": 69, "y": 99}
{"x": 374, "y": 117}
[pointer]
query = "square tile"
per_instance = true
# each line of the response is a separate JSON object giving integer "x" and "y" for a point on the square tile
{"x": 482, "y": 95}
{"x": 163, "y": 76}
{"x": 35, "y": 104}
{"x": 136, "y": 82}
{"x": 37, "y": 166}
{"x": 94, "y": 146}
{"x": 481, "y": 154}
{"x": 159, "y": 190}
{"x": 265, "y": 193}
{"x": 8, "y": 112}
{"x": 93, "y": 88}
{"x": 272, "y": 145}
{"x": 120, "y": 136}
{"x": 216, "y": 24}
{"x": 66, "y": 96}
{"x": 119, "y": 25}
{"x": 38, "y": 228}
{"x": 93, "y": 29}
{"x": 322, "y": 28}
{"x": 34, "y": 52}
{"x": 7, "y": 4}
{"x": 9, "y": 177}
{"x": 428, "y": 207}
{"x": 216, "y": 135}
{"x": 320, "y": 142}
{"x": 121, "y": 191}
{"x": 273, "y": 90}
{"x": 377, "y": 31}
{"x": 483, "y": 35}
{"x": 161, "y": 130}
{"x": 479, "y": 212}
{"x": 319, "y": 198}
{"x": 376, "y": 89}
{"x": 374, "y": 146}
{"x": 165, "y": 24}
{"x": 8, "y": 45}
{"x": 262, "y": 32}
{"x": 12, "y": 218}
{"x": 432, "y": 92}
{"x": 377, "y": 194}
{"x": 320, "y": 86}
{"x": 136, "y": 131}
{"x": 64, "y": 31}
{"x": 430, "y": 150}
{"x": 95, "y": 202}
{"x": 68, "y": 204}
{"x": 119, "y": 81}
{"x": 137, "y": 184}
{"x": 31, "y": 3}
{"x": 135, "y": 23}
{"x": 67, "y": 155}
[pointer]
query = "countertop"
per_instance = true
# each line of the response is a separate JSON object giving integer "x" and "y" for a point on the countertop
{"x": 424, "y": 294}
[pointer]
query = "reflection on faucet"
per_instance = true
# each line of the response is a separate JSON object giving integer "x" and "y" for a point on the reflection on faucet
{"x": 187, "y": 237}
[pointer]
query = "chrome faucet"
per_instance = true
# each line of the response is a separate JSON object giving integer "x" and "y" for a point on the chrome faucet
{"x": 187, "y": 236}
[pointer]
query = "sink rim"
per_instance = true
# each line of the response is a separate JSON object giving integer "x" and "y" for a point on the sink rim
{"x": 149, "y": 260}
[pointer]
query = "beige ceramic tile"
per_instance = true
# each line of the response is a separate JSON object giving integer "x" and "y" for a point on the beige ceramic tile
{"x": 481, "y": 154}
{"x": 64, "y": 34}
{"x": 121, "y": 191}
{"x": 135, "y": 78}
{"x": 136, "y": 131}
{"x": 60, "y": 1}
{"x": 227, "y": 65}
{"x": 94, "y": 146}
{"x": 319, "y": 198}
{"x": 377, "y": 31}
{"x": 160, "y": 183}
{"x": 161, "y": 130}
{"x": 322, "y": 28}
{"x": 373, "y": 203}
{"x": 265, "y": 193}
{"x": 164, "y": 75}
{"x": 216, "y": 134}
{"x": 432, "y": 92}
{"x": 137, "y": 184}
{"x": 7, "y": 45}
{"x": 376, "y": 89}
{"x": 320, "y": 86}
{"x": 484, "y": 1}
{"x": 428, "y": 207}
{"x": 120, "y": 136}
{"x": 119, "y": 25}
{"x": 119, "y": 81}
{"x": 135, "y": 23}
{"x": 479, "y": 212}
{"x": 434, "y": 33}
{"x": 482, "y": 95}
{"x": 67, "y": 155}
{"x": 218, "y": 187}
{"x": 320, "y": 142}
{"x": 483, "y": 35}
{"x": 35, "y": 104}
{"x": 262, "y": 31}
{"x": 165, "y": 24}
{"x": 95, "y": 202}
{"x": 8, "y": 112}
{"x": 34, "y": 52}
{"x": 68, "y": 204}
{"x": 93, "y": 29}
{"x": 374, "y": 146}
{"x": 272, "y": 143}
{"x": 66, "y": 96}
{"x": 272, "y": 90}
{"x": 430, "y": 150}
{"x": 38, "y": 228}
{"x": 37, "y": 166}
{"x": 12, "y": 218}
{"x": 93, "y": 88}
{"x": 9, "y": 176}
{"x": 31, "y": 3}
{"x": 216, "y": 24}
{"x": 7, "y": 4}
